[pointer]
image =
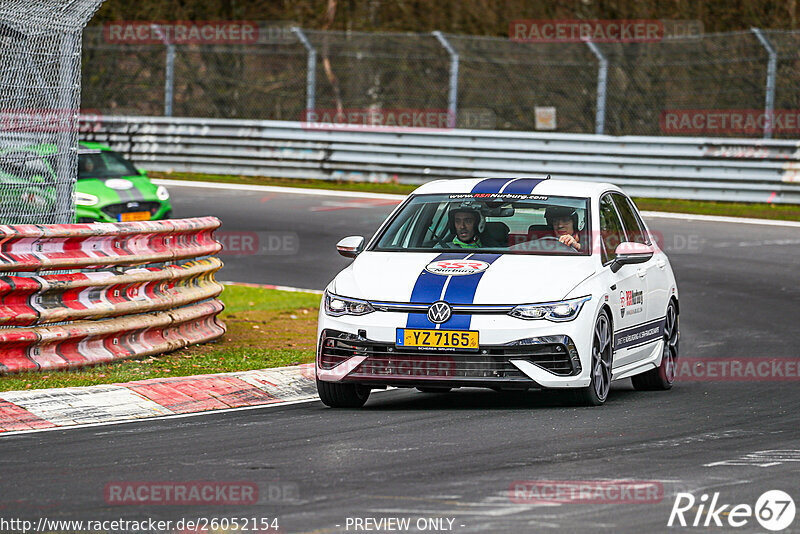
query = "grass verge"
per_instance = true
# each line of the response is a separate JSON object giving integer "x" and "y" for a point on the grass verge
{"x": 266, "y": 328}
{"x": 788, "y": 212}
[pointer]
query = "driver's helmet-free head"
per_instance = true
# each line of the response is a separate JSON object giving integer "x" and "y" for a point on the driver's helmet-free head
{"x": 467, "y": 207}
{"x": 558, "y": 212}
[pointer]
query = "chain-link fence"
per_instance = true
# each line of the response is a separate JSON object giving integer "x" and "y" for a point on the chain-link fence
{"x": 40, "y": 58}
{"x": 715, "y": 84}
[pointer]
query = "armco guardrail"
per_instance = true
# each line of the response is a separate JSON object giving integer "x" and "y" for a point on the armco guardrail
{"x": 746, "y": 170}
{"x": 128, "y": 300}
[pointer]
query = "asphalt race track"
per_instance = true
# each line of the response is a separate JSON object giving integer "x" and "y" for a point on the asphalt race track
{"x": 456, "y": 456}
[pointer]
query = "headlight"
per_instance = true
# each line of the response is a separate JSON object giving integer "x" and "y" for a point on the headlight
{"x": 565, "y": 310}
{"x": 162, "y": 193}
{"x": 336, "y": 306}
{"x": 85, "y": 199}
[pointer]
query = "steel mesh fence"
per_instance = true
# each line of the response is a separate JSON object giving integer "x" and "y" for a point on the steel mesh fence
{"x": 122, "y": 79}
{"x": 787, "y": 87}
{"x": 511, "y": 79}
{"x": 611, "y": 88}
{"x": 40, "y": 58}
{"x": 715, "y": 72}
{"x": 379, "y": 71}
{"x": 240, "y": 82}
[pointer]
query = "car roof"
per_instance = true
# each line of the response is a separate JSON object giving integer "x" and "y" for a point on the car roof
{"x": 547, "y": 186}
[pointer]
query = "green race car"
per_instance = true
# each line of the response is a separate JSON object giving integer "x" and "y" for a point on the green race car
{"x": 111, "y": 189}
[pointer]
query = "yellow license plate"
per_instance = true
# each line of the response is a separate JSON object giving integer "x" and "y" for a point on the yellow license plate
{"x": 442, "y": 339}
{"x": 134, "y": 216}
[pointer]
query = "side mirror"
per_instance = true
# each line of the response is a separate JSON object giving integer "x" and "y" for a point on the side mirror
{"x": 350, "y": 247}
{"x": 629, "y": 253}
{"x": 142, "y": 172}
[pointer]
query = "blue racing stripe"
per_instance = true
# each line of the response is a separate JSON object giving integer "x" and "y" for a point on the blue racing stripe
{"x": 428, "y": 289}
{"x": 461, "y": 290}
{"x": 490, "y": 185}
{"x": 523, "y": 186}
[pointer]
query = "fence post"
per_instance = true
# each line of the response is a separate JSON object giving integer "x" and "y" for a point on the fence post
{"x": 68, "y": 99}
{"x": 769, "y": 99}
{"x": 602, "y": 80}
{"x": 452, "y": 96}
{"x": 311, "y": 74}
{"x": 169, "y": 80}
{"x": 169, "y": 68}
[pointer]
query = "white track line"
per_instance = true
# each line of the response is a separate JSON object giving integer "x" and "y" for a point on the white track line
{"x": 271, "y": 286}
{"x": 160, "y": 417}
{"x": 718, "y": 218}
{"x": 277, "y": 189}
{"x": 359, "y": 194}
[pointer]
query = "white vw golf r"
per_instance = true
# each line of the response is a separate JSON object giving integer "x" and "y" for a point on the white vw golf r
{"x": 501, "y": 283}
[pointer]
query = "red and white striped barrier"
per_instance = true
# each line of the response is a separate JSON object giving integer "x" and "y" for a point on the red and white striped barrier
{"x": 32, "y": 247}
{"x": 114, "y": 312}
{"x": 32, "y": 410}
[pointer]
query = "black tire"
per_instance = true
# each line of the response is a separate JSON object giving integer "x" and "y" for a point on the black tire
{"x": 338, "y": 395}
{"x": 602, "y": 354}
{"x": 663, "y": 376}
{"x": 434, "y": 390}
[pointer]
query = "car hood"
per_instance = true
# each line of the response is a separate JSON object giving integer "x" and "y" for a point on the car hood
{"x": 142, "y": 189}
{"x": 509, "y": 279}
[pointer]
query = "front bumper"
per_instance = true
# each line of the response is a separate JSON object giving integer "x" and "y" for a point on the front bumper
{"x": 159, "y": 209}
{"x": 513, "y": 354}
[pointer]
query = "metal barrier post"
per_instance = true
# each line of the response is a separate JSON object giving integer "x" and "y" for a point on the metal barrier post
{"x": 769, "y": 99}
{"x": 311, "y": 74}
{"x": 452, "y": 97}
{"x": 602, "y": 81}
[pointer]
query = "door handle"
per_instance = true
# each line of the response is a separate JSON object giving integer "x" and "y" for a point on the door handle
{"x": 642, "y": 273}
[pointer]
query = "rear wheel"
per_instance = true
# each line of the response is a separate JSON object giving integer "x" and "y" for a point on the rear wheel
{"x": 662, "y": 377}
{"x": 338, "y": 395}
{"x": 597, "y": 392}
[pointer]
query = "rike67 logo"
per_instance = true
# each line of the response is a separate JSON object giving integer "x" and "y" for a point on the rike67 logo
{"x": 774, "y": 510}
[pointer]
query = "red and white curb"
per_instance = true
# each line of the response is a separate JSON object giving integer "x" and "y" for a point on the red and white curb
{"x": 33, "y": 410}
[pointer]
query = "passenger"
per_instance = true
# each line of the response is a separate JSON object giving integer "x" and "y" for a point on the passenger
{"x": 564, "y": 221}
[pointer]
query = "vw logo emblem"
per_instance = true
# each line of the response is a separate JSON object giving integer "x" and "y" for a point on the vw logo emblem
{"x": 439, "y": 312}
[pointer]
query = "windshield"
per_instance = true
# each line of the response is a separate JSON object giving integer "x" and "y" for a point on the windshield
{"x": 514, "y": 223}
{"x": 104, "y": 164}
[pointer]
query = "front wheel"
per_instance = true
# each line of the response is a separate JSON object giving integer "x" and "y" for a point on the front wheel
{"x": 602, "y": 351}
{"x": 663, "y": 376}
{"x": 338, "y": 395}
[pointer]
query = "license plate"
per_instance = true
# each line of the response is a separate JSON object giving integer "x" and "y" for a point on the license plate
{"x": 134, "y": 216}
{"x": 440, "y": 339}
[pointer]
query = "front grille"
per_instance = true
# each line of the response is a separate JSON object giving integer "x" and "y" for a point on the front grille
{"x": 113, "y": 210}
{"x": 490, "y": 362}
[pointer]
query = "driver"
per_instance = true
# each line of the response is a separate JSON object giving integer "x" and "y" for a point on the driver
{"x": 467, "y": 223}
{"x": 564, "y": 221}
